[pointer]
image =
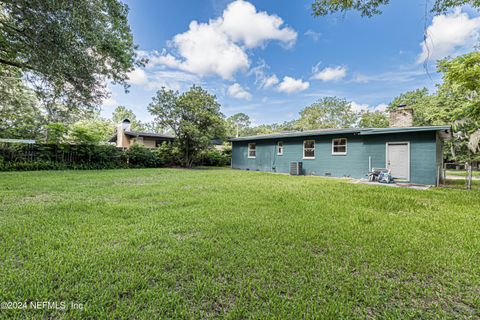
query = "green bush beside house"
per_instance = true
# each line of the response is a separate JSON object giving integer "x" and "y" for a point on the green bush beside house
{"x": 26, "y": 157}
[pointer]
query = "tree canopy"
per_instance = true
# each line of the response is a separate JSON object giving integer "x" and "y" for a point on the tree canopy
{"x": 237, "y": 124}
{"x": 19, "y": 115}
{"x": 68, "y": 49}
{"x": 194, "y": 116}
{"x": 121, "y": 113}
{"x": 369, "y": 8}
{"x": 373, "y": 119}
{"x": 328, "y": 112}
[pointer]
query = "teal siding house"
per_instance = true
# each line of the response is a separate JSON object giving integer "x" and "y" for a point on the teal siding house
{"x": 413, "y": 154}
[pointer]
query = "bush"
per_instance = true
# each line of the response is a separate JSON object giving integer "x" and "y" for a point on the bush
{"x": 165, "y": 155}
{"x": 23, "y": 157}
{"x": 59, "y": 157}
{"x": 139, "y": 156}
{"x": 215, "y": 158}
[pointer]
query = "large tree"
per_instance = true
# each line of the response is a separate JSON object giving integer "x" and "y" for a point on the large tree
{"x": 461, "y": 75}
{"x": 328, "y": 112}
{"x": 373, "y": 119}
{"x": 237, "y": 124}
{"x": 460, "y": 95}
{"x": 422, "y": 104}
{"x": 20, "y": 117}
{"x": 194, "y": 117}
{"x": 370, "y": 8}
{"x": 121, "y": 113}
{"x": 68, "y": 49}
{"x": 95, "y": 130}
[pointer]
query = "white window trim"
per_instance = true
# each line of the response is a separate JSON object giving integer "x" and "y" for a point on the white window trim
{"x": 408, "y": 156}
{"x": 278, "y": 152}
{"x": 308, "y": 158}
{"x": 248, "y": 151}
{"x": 339, "y": 153}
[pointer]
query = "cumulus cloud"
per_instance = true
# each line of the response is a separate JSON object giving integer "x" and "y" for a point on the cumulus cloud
{"x": 243, "y": 23}
{"x": 291, "y": 85}
{"x": 359, "y": 107}
{"x": 236, "y": 91}
{"x": 381, "y": 107}
{"x": 262, "y": 80}
{"x": 137, "y": 77}
{"x": 329, "y": 73}
{"x": 270, "y": 81}
{"x": 170, "y": 79}
{"x": 449, "y": 34}
{"x": 219, "y": 46}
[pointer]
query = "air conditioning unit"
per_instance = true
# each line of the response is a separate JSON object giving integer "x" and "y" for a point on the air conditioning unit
{"x": 295, "y": 168}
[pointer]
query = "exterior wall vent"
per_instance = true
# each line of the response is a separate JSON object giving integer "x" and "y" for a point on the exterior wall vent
{"x": 296, "y": 168}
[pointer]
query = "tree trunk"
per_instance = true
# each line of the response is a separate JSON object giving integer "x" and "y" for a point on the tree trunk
{"x": 469, "y": 175}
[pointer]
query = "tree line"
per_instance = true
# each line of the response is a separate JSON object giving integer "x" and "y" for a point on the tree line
{"x": 56, "y": 58}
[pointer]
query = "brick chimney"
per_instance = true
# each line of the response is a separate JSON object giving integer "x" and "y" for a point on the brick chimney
{"x": 401, "y": 116}
{"x": 122, "y": 140}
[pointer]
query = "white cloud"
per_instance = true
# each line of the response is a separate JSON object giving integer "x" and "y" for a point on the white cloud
{"x": 270, "y": 81}
{"x": 243, "y": 23}
{"x": 314, "y": 35}
{"x": 381, "y": 107}
{"x": 449, "y": 34}
{"x": 329, "y": 73}
{"x": 236, "y": 91}
{"x": 219, "y": 46}
{"x": 206, "y": 50}
{"x": 174, "y": 80}
{"x": 261, "y": 79}
{"x": 137, "y": 77}
{"x": 358, "y": 107}
{"x": 291, "y": 85}
{"x": 397, "y": 76}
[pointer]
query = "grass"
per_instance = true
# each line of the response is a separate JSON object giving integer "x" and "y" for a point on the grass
{"x": 462, "y": 173}
{"x": 460, "y": 184}
{"x": 169, "y": 243}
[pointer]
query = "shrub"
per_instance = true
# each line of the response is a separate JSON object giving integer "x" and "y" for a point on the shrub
{"x": 139, "y": 156}
{"x": 215, "y": 158}
{"x": 24, "y": 157}
{"x": 165, "y": 155}
{"x": 59, "y": 157}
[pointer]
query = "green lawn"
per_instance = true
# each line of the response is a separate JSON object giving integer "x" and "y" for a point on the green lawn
{"x": 168, "y": 243}
{"x": 462, "y": 173}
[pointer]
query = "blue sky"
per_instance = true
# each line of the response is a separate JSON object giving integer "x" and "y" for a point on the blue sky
{"x": 270, "y": 59}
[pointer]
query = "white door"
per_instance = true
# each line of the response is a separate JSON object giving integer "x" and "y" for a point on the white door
{"x": 398, "y": 159}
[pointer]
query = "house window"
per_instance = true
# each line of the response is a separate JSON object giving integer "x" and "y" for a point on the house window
{"x": 252, "y": 150}
{"x": 280, "y": 148}
{"x": 309, "y": 149}
{"x": 339, "y": 146}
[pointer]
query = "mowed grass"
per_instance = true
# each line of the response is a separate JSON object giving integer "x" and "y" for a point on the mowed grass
{"x": 462, "y": 173}
{"x": 220, "y": 243}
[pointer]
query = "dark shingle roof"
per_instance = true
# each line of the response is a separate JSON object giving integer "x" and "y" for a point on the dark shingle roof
{"x": 357, "y": 131}
{"x": 143, "y": 134}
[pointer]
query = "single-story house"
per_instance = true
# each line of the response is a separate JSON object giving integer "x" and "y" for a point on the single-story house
{"x": 124, "y": 137}
{"x": 413, "y": 154}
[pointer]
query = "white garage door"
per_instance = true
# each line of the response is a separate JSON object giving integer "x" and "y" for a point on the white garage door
{"x": 398, "y": 159}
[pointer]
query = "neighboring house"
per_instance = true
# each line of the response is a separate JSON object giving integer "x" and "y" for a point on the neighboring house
{"x": 124, "y": 137}
{"x": 414, "y": 154}
{"x": 218, "y": 144}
